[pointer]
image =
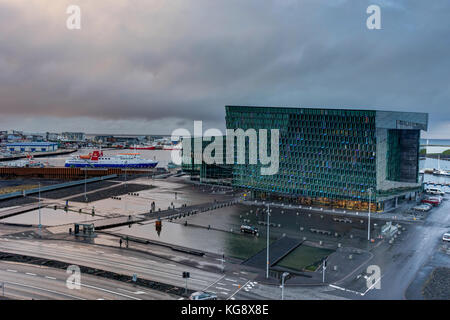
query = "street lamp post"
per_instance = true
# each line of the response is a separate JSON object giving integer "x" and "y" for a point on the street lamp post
{"x": 85, "y": 182}
{"x": 268, "y": 220}
{"x": 284, "y": 275}
{"x": 39, "y": 205}
{"x": 368, "y": 223}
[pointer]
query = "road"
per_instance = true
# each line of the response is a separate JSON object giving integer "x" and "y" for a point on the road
{"x": 129, "y": 262}
{"x": 23, "y": 281}
{"x": 401, "y": 262}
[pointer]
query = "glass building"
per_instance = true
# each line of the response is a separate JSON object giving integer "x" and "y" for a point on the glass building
{"x": 333, "y": 157}
{"x": 193, "y": 164}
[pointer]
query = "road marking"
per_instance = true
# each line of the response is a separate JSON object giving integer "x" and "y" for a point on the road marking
{"x": 170, "y": 264}
{"x": 52, "y": 278}
{"x": 109, "y": 291}
{"x": 207, "y": 287}
{"x": 9, "y": 270}
{"x": 235, "y": 284}
{"x": 347, "y": 290}
{"x": 230, "y": 280}
{"x": 379, "y": 279}
{"x": 60, "y": 293}
{"x": 221, "y": 284}
{"x": 220, "y": 288}
{"x": 231, "y": 297}
{"x": 225, "y": 293}
{"x": 30, "y": 274}
{"x": 243, "y": 272}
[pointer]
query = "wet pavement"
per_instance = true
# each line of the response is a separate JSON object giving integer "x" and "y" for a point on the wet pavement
{"x": 49, "y": 217}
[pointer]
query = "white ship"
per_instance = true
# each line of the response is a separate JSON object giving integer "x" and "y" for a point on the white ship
{"x": 98, "y": 160}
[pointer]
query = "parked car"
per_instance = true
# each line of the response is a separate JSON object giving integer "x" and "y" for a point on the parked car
{"x": 249, "y": 229}
{"x": 424, "y": 207}
{"x": 200, "y": 295}
{"x": 435, "y": 201}
{"x": 435, "y": 191}
{"x": 446, "y": 237}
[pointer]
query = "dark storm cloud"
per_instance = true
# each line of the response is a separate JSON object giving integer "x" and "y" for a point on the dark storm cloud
{"x": 185, "y": 60}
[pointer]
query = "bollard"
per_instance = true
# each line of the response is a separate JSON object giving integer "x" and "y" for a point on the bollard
{"x": 350, "y": 256}
{"x": 339, "y": 245}
{"x": 320, "y": 242}
{"x": 304, "y": 238}
{"x": 335, "y": 268}
{"x": 301, "y": 228}
{"x": 351, "y": 236}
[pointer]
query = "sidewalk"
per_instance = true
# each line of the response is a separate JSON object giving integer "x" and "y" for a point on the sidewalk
{"x": 394, "y": 215}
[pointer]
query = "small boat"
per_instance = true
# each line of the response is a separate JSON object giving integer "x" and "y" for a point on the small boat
{"x": 172, "y": 146}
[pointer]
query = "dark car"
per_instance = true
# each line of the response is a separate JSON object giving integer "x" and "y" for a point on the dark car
{"x": 249, "y": 229}
{"x": 200, "y": 295}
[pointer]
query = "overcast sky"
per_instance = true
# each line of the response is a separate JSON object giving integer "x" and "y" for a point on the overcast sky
{"x": 156, "y": 65}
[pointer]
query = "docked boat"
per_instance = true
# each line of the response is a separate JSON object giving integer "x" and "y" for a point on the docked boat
{"x": 96, "y": 159}
{"x": 29, "y": 162}
{"x": 172, "y": 146}
{"x": 440, "y": 172}
{"x": 143, "y": 147}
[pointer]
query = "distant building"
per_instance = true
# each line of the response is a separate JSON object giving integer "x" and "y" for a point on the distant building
{"x": 49, "y": 136}
{"x": 199, "y": 170}
{"x": 15, "y": 137}
{"x": 32, "y": 146}
{"x": 35, "y": 138}
{"x": 73, "y": 136}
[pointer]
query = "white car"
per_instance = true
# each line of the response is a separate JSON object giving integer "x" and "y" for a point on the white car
{"x": 435, "y": 191}
{"x": 446, "y": 237}
{"x": 424, "y": 207}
